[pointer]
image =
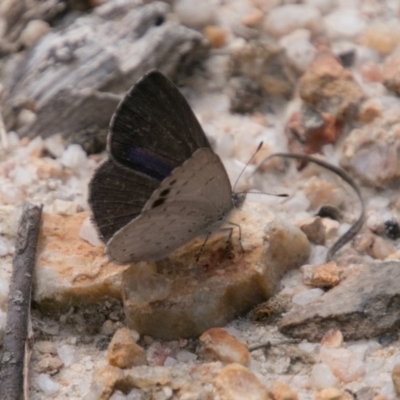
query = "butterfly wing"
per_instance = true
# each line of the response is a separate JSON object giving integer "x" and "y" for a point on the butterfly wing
{"x": 193, "y": 200}
{"x": 154, "y": 129}
{"x": 152, "y": 132}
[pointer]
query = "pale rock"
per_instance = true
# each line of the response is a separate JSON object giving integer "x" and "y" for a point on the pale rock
{"x": 322, "y": 377}
{"x": 381, "y": 248}
{"x": 67, "y": 354}
{"x": 320, "y": 192}
{"x": 3, "y": 322}
{"x": 298, "y": 48}
{"x": 375, "y": 221}
{"x": 344, "y": 364}
{"x": 55, "y": 145}
{"x": 62, "y": 207}
{"x": 220, "y": 345}
{"x": 89, "y": 233}
{"x": 281, "y": 391}
{"x": 344, "y": 24}
{"x": 123, "y": 352}
{"x": 11, "y": 194}
{"x": 5, "y": 248}
{"x": 34, "y": 30}
{"x": 331, "y": 228}
{"x": 74, "y": 157}
{"x": 13, "y": 139}
{"x": 26, "y": 117}
{"x": 324, "y": 6}
{"x": 117, "y": 395}
{"x": 318, "y": 255}
{"x": 23, "y": 176}
{"x": 196, "y": 17}
{"x": 169, "y": 362}
{"x": 182, "y": 307}
{"x": 383, "y": 37}
{"x": 236, "y": 382}
{"x": 333, "y": 339}
{"x": 48, "y": 385}
{"x": 186, "y": 356}
{"x": 284, "y": 19}
{"x": 307, "y": 296}
{"x": 48, "y": 364}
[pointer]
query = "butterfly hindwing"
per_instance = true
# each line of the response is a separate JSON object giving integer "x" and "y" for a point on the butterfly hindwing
{"x": 193, "y": 200}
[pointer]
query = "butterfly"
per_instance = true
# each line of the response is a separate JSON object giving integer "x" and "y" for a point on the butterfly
{"x": 162, "y": 184}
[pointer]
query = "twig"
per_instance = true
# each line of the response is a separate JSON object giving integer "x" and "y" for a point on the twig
{"x": 18, "y": 311}
{"x": 353, "y": 230}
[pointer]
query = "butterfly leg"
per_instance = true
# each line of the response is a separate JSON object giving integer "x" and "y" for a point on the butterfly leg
{"x": 240, "y": 233}
{"x": 200, "y": 252}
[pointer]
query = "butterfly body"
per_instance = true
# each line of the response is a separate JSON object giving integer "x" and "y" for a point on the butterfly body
{"x": 163, "y": 185}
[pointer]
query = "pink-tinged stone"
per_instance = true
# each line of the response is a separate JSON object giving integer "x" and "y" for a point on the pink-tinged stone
{"x": 281, "y": 391}
{"x": 333, "y": 339}
{"x": 236, "y": 382}
{"x": 220, "y": 345}
{"x": 324, "y": 276}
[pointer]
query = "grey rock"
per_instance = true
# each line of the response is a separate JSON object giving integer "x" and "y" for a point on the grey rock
{"x": 365, "y": 304}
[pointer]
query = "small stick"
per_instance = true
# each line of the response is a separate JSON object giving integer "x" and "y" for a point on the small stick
{"x": 18, "y": 311}
{"x": 354, "y": 229}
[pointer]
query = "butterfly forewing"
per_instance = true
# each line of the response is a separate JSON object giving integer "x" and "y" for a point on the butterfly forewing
{"x": 154, "y": 129}
{"x": 193, "y": 200}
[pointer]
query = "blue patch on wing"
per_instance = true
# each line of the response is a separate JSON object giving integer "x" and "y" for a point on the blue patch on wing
{"x": 149, "y": 163}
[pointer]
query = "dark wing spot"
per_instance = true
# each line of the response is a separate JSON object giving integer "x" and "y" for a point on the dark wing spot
{"x": 158, "y": 202}
{"x": 165, "y": 192}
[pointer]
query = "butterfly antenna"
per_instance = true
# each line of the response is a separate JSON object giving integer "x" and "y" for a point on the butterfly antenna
{"x": 247, "y": 164}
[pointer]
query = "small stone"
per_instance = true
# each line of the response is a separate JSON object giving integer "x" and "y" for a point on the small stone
{"x": 196, "y": 17}
{"x": 313, "y": 229}
{"x": 307, "y": 297}
{"x": 382, "y": 37}
{"x": 333, "y": 339}
{"x": 236, "y": 382}
{"x": 74, "y": 157}
{"x": 48, "y": 385}
{"x": 219, "y": 344}
{"x": 370, "y": 110}
{"x": 324, "y": 276}
{"x": 345, "y": 365}
{"x": 49, "y": 364}
{"x": 345, "y": 23}
{"x": 284, "y": 19}
{"x": 26, "y": 117}
{"x": 322, "y": 377}
{"x": 89, "y": 233}
{"x": 62, "y": 207}
{"x": 33, "y": 31}
{"x": 281, "y": 391}
{"x": 215, "y": 35}
{"x": 46, "y": 347}
{"x": 331, "y": 228}
{"x": 396, "y": 378}
{"x": 391, "y": 73}
{"x": 253, "y": 19}
{"x": 55, "y": 145}
{"x": 331, "y": 394}
{"x": 381, "y": 248}
{"x": 123, "y": 352}
{"x": 11, "y": 194}
{"x": 67, "y": 354}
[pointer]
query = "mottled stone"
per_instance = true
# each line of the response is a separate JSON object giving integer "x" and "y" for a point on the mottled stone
{"x": 281, "y": 391}
{"x": 236, "y": 382}
{"x": 363, "y": 305}
{"x": 333, "y": 339}
{"x": 391, "y": 73}
{"x": 331, "y": 394}
{"x": 220, "y": 345}
{"x": 396, "y": 378}
{"x": 123, "y": 352}
{"x": 179, "y": 297}
{"x": 48, "y": 364}
{"x": 328, "y": 87}
{"x": 324, "y": 276}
